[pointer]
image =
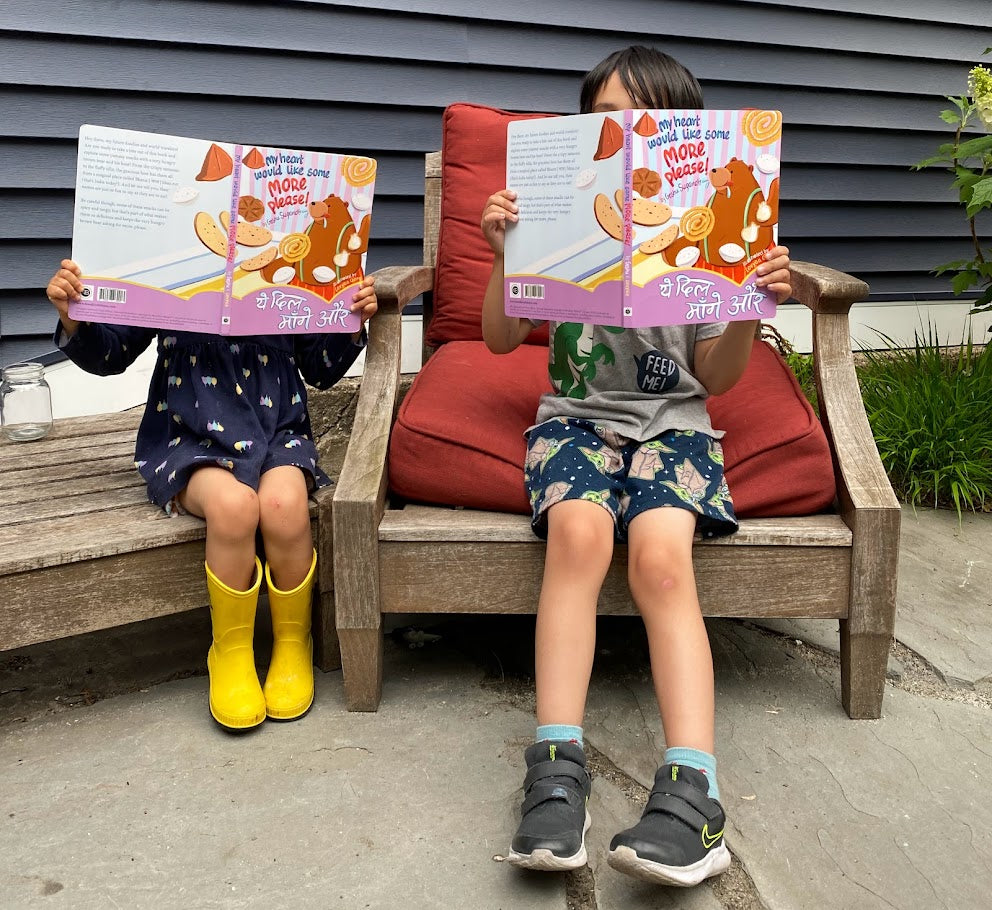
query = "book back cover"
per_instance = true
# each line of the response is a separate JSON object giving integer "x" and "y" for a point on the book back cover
{"x": 563, "y": 260}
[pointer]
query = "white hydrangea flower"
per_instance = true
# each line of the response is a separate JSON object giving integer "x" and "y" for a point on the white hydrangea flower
{"x": 980, "y": 89}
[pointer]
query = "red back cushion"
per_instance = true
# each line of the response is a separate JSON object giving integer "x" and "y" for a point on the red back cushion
{"x": 458, "y": 438}
{"x": 473, "y": 166}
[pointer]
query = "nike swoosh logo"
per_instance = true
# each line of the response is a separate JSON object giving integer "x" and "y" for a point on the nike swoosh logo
{"x": 708, "y": 840}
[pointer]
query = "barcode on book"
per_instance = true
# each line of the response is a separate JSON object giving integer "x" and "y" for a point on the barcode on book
{"x": 533, "y": 292}
{"x": 112, "y": 295}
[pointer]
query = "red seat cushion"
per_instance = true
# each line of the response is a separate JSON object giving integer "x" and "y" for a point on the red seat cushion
{"x": 458, "y": 438}
{"x": 473, "y": 162}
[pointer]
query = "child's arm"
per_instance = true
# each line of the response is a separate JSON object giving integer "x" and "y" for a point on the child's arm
{"x": 721, "y": 361}
{"x": 105, "y": 350}
{"x": 324, "y": 358}
{"x": 501, "y": 333}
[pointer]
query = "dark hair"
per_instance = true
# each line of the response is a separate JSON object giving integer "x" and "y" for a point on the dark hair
{"x": 650, "y": 77}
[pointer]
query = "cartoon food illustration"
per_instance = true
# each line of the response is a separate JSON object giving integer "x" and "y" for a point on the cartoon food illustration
{"x": 735, "y": 224}
{"x": 610, "y": 139}
{"x": 358, "y": 171}
{"x": 607, "y": 216}
{"x": 645, "y": 182}
{"x": 250, "y": 207}
{"x": 762, "y": 127}
{"x": 183, "y": 195}
{"x": 253, "y": 160}
{"x": 246, "y": 234}
{"x": 294, "y": 247}
{"x": 260, "y": 261}
{"x": 585, "y": 178}
{"x": 697, "y": 222}
{"x": 646, "y": 126}
{"x": 217, "y": 164}
{"x": 660, "y": 241}
{"x": 330, "y": 249}
{"x": 646, "y": 212}
{"x": 210, "y": 234}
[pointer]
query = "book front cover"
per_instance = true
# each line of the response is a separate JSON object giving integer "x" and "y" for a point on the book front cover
{"x": 640, "y": 218}
{"x": 706, "y": 182}
{"x": 195, "y": 235}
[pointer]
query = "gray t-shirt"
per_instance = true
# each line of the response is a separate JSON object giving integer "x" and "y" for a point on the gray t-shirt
{"x": 636, "y": 382}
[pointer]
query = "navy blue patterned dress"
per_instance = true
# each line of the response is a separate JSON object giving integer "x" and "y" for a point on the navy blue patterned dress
{"x": 236, "y": 402}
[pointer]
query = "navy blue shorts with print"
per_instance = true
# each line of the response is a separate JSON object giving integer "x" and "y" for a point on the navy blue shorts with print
{"x": 576, "y": 459}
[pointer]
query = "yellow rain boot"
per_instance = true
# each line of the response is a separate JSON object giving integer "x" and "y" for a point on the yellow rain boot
{"x": 289, "y": 682}
{"x": 236, "y": 700}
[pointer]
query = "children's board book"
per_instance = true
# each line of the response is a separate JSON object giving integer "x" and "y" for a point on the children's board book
{"x": 642, "y": 218}
{"x": 201, "y": 236}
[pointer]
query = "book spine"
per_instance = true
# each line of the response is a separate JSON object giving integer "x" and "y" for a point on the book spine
{"x": 628, "y": 224}
{"x": 232, "y": 246}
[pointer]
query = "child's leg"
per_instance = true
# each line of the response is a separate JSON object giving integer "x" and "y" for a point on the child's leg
{"x": 284, "y": 519}
{"x": 565, "y": 461}
{"x": 231, "y": 512}
{"x": 580, "y": 547}
{"x": 679, "y": 839}
{"x": 664, "y": 588}
{"x": 554, "y": 817}
{"x": 234, "y": 575}
{"x": 291, "y": 565}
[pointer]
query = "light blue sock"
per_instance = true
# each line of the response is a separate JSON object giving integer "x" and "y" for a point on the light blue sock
{"x": 559, "y": 733}
{"x": 701, "y": 761}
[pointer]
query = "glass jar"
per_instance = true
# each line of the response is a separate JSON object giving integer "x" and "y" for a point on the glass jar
{"x": 25, "y": 402}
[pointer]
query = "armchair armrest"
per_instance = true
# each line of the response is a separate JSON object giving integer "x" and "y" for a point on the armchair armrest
{"x": 363, "y": 473}
{"x": 397, "y": 285}
{"x": 829, "y": 294}
{"x": 825, "y": 290}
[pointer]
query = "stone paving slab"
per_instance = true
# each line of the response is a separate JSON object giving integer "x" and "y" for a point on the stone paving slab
{"x": 824, "y": 811}
{"x": 944, "y": 598}
{"x": 139, "y": 801}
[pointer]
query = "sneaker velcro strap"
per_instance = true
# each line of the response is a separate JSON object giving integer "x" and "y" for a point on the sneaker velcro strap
{"x": 558, "y": 768}
{"x": 669, "y": 804}
{"x": 697, "y": 807}
{"x": 546, "y": 792}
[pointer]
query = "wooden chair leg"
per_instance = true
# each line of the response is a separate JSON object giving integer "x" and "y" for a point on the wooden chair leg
{"x": 864, "y": 660}
{"x": 361, "y": 662}
{"x": 327, "y": 651}
{"x": 866, "y": 634}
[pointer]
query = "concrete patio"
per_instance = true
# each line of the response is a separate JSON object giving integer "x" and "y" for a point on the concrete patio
{"x": 118, "y": 791}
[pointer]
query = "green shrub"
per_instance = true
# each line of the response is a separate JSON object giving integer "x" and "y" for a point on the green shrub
{"x": 802, "y": 366}
{"x": 930, "y": 410}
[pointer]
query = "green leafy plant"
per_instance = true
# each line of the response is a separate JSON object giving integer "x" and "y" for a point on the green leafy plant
{"x": 930, "y": 410}
{"x": 970, "y": 161}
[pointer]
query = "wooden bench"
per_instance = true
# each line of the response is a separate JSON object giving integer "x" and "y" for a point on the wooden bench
{"x": 425, "y": 559}
{"x": 82, "y": 548}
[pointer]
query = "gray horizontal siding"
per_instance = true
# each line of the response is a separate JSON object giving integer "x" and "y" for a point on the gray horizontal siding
{"x": 860, "y": 93}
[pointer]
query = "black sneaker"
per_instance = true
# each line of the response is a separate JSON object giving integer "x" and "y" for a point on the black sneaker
{"x": 552, "y": 832}
{"x": 679, "y": 839}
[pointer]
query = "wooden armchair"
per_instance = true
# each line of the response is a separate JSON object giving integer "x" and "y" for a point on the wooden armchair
{"x": 393, "y": 556}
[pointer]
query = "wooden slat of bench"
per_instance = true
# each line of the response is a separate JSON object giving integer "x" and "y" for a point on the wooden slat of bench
{"x": 18, "y": 480}
{"x": 72, "y": 450}
{"x": 82, "y": 505}
{"x": 124, "y": 476}
{"x": 59, "y": 601}
{"x": 425, "y": 578}
{"x": 437, "y": 524}
{"x": 110, "y": 532}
